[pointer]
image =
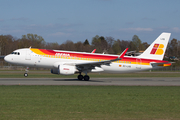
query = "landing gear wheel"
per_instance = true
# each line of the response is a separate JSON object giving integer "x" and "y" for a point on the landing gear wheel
{"x": 86, "y": 78}
{"x": 25, "y": 74}
{"x": 80, "y": 77}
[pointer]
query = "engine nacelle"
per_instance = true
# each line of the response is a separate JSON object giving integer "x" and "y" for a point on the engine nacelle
{"x": 64, "y": 70}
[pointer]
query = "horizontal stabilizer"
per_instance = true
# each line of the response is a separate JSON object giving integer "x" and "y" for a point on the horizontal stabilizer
{"x": 163, "y": 64}
{"x": 1, "y": 57}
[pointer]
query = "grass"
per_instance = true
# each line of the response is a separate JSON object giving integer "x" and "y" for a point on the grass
{"x": 89, "y": 102}
{"x": 47, "y": 74}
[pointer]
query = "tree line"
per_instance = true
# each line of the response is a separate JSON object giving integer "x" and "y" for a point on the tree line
{"x": 107, "y": 45}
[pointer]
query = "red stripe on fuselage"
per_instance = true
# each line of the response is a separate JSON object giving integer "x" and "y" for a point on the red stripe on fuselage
{"x": 98, "y": 56}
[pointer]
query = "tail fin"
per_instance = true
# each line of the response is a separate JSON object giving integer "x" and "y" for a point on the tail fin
{"x": 157, "y": 49}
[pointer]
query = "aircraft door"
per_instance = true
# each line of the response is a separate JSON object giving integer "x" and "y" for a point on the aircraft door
{"x": 28, "y": 55}
{"x": 138, "y": 63}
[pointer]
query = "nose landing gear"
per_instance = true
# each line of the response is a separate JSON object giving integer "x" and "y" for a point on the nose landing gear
{"x": 26, "y": 72}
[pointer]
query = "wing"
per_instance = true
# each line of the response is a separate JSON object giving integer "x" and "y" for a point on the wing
{"x": 91, "y": 65}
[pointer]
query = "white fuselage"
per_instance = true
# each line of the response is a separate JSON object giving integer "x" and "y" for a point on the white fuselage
{"x": 28, "y": 58}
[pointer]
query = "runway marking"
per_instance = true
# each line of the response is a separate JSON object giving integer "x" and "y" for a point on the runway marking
{"x": 158, "y": 81}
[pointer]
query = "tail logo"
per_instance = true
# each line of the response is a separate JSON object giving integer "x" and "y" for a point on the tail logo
{"x": 157, "y": 49}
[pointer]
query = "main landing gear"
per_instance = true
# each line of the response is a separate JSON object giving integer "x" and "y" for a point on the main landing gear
{"x": 86, "y": 77}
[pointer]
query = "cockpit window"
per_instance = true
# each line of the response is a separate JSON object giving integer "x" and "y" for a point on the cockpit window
{"x": 15, "y": 53}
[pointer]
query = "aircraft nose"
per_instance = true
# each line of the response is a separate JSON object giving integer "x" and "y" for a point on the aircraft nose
{"x": 6, "y": 58}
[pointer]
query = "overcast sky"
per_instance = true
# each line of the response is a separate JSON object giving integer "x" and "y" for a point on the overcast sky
{"x": 77, "y": 20}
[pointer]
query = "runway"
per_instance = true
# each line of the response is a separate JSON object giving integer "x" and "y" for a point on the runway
{"x": 158, "y": 81}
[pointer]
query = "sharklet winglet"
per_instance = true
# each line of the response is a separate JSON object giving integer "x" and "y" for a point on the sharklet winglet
{"x": 123, "y": 53}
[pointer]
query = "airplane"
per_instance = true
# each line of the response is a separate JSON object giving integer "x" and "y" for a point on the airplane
{"x": 71, "y": 62}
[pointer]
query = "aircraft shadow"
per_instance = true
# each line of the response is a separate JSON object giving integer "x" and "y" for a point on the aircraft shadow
{"x": 77, "y": 80}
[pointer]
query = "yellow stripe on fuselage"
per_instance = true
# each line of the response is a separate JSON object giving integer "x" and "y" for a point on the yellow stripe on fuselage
{"x": 37, "y": 51}
{"x": 140, "y": 63}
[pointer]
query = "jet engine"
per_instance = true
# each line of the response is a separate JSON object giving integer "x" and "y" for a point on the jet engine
{"x": 64, "y": 70}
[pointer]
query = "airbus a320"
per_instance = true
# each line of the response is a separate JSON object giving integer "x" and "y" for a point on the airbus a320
{"x": 70, "y": 62}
